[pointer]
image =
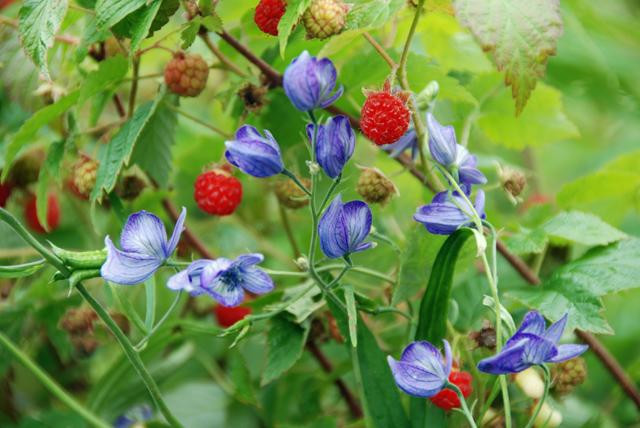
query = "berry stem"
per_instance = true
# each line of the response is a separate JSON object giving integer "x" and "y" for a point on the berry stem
{"x": 463, "y": 403}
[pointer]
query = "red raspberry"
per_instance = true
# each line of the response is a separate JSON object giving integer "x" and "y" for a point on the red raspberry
{"x": 447, "y": 399}
{"x": 228, "y": 316}
{"x": 186, "y": 74}
{"x": 53, "y": 214}
{"x": 217, "y": 192}
{"x": 5, "y": 192}
{"x": 385, "y": 116}
{"x": 268, "y": 14}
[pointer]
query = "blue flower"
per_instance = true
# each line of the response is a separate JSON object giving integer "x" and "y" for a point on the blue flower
{"x": 343, "y": 228}
{"x": 223, "y": 279}
{"x": 421, "y": 371}
{"x": 452, "y": 156}
{"x": 531, "y": 345}
{"x": 443, "y": 215}
{"x": 254, "y": 154}
{"x": 408, "y": 141}
{"x": 309, "y": 81}
{"x": 144, "y": 248}
{"x": 335, "y": 142}
{"x": 133, "y": 417}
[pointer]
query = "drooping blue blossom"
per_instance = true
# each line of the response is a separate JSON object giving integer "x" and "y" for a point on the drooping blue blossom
{"x": 452, "y": 156}
{"x": 335, "y": 142}
{"x": 343, "y": 228}
{"x": 144, "y": 248}
{"x": 408, "y": 141}
{"x": 309, "y": 81}
{"x": 134, "y": 417}
{"x": 421, "y": 370}
{"x": 533, "y": 344}
{"x": 223, "y": 279}
{"x": 254, "y": 154}
{"x": 443, "y": 215}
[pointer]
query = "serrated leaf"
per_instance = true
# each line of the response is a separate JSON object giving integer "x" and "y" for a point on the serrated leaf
{"x": 211, "y": 23}
{"x": 582, "y": 228}
{"x": 152, "y": 152}
{"x": 372, "y": 14}
{"x": 49, "y": 171}
{"x": 39, "y": 23}
{"x": 119, "y": 149}
{"x": 544, "y": 121}
{"x": 527, "y": 241}
{"x": 286, "y": 342}
{"x": 520, "y": 34}
{"x": 292, "y": 14}
{"x": 577, "y": 287}
{"x": 142, "y": 25}
{"x": 110, "y": 12}
{"x": 136, "y": 21}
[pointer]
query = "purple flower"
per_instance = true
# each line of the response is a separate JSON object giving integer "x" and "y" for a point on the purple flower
{"x": 254, "y": 154}
{"x": 421, "y": 371}
{"x": 443, "y": 215}
{"x": 223, "y": 279}
{"x": 335, "y": 142}
{"x": 309, "y": 81}
{"x": 408, "y": 141}
{"x": 133, "y": 417}
{"x": 144, "y": 248}
{"x": 343, "y": 228}
{"x": 531, "y": 345}
{"x": 454, "y": 157}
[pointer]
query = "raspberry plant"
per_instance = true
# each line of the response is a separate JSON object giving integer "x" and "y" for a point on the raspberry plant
{"x": 416, "y": 215}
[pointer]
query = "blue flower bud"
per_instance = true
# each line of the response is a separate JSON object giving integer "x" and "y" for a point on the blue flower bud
{"x": 421, "y": 370}
{"x": 343, "y": 228}
{"x": 254, "y": 154}
{"x": 309, "y": 81}
{"x": 443, "y": 215}
{"x": 335, "y": 142}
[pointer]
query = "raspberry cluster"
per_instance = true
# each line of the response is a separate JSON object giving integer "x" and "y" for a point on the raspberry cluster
{"x": 268, "y": 14}
{"x": 375, "y": 187}
{"x": 385, "y": 116}
{"x": 217, "y": 192}
{"x": 186, "y": 74}
{"x": 325, "y": 18}
{"x": 447, "y": 399}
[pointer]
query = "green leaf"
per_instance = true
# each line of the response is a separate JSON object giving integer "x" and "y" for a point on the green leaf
{"x": 520, "y": 34}
{"x": 576, "y": 287}
{"x": 241, "y": 378}
{"x": 211, "y": 23}
{"x": 110, "y": 72}
{"x": 295, "y": 9}
{"x": 142, "y": 25}
{"x": 153, "y": 149}
{"x": 421, "y": 71}
{"x": 134, "y": 24}
{"x": 22, "y": 270}
{"x": 582, "y": 228}
{"x": 39, "y": 22}
{"x": 50, "y": 171}
{"x": 372, "y": 14}
{"x": 118, "y": 151}
{"x": 110, "y": 12}
{"x": 352, "y": 314}
{"x": 544, "y": 121}
{"x": 286, "y": 342}
{"x": 30, "y": 127}
{"x": 527, "y": 241}
{"x": 378, "y": 386}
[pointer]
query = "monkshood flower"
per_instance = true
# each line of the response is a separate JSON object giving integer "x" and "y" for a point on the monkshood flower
{"x": 335, "y": 142}
{"x": 421, "y": 370}
{"x": 254, "y": 154}
{"x": 144, "y": 248}
{"x": 309, "y": 81}
{"x": 443, "y": 215}
{"x": 223, "y": 279}
{"x": 533, "y": 344}
{"x": 408, "y": 141}
{"x": 343, "y": 228}
{"x": 452, "y": 156}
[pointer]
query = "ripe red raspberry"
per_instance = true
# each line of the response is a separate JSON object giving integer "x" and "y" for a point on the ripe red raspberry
{"x": 217, "y": 192}
{"x": 5, "y": 192}
{"x": 268, "y": 14}
{"x": 53, "y": 214}
{"x": 186, "y": 74}
{"x": 447, "y": 399}
{"x": 228, "y": 316}
{"x": 385, "y": 116}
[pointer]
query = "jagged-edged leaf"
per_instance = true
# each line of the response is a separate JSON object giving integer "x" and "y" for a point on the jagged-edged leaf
{"x": 286, "y": 341}
{"x": 144, "y": 21}
{"x": 520, "y": 35}
{"x": 527, "y": 241}
{"x": 295, "y": 9}
{"x": 39, "y": 22}
{"x": 372, "y": 14}
{"x": 110, "y": 12}
{"x": 577, "y": 286}
{"x": 582, "y": 228}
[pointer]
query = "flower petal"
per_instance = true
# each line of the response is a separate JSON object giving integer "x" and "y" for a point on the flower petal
{"x": 442, "y": 142}
{"x": 127, "y": 268}
{"x": 225, "y": 294}
{"x": 537, "y": 349}
{"x": 414, "y": 380}
{"x": 508, "y": 360}
{"x": 426, "y": 356}
{"x": 567, "y": 352}
{"x": 254, "y": 157}
{"x": 555, "y": 330}
{"x": 190, "y": 279}
{"x": 144, "y": 233}
{"x": 256, "y": 281}
{"x": 177, "y": 231}
{"x": 532, "y": 323}
{"x": 335, "y": 144}
{"x": 247, "y": 260}
{"x": 357, "y": 216}
{"x": 332, "y": 230}
{"x": 448, "y": 358}
{"x": 440, "y": 218}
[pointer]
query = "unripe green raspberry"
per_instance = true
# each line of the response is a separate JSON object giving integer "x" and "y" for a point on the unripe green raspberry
{"x": 84, "y": 176}
{"x": 325, "y": 18}
{"x": 568, "y": 375}
{"x": 290, "y": 195}
{"x": 186, "y": 74}
{"x": 375, "y": 187}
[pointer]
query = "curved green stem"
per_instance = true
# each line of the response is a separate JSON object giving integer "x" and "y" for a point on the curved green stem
{"x": 51, "y": 384}
{"x": 297, "y": 181}
{"x": 463, "y": 403}
{"x": 547, "y": 384}
{"x": 140, "y": 346}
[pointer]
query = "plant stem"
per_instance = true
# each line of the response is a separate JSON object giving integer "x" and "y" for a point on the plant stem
{"x": 134, "y": 85}
{"x": 295, "y": 179}
{"x": 284, "y": 217}
{"x": 547, "y": 384}
{"x": 463, "y": 403}
{"x": 140, "y": 346}
{"x": 51, "y": 384}
{"x": 198, "y": 121}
